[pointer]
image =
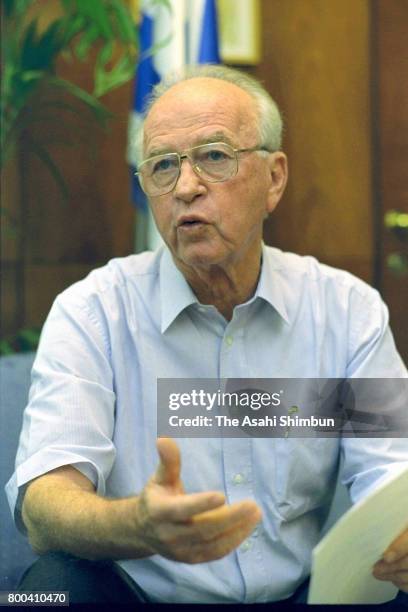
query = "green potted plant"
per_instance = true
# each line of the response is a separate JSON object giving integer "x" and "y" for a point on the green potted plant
{"x": 38, "y": 36}
{"x": 30, "y": 54}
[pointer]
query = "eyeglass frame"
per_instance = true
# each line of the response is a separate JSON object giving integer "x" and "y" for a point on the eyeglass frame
{"x": 185, "y": 155}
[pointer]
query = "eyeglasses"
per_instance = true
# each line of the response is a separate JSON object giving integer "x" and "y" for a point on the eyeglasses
{"x": 214, "y": 162}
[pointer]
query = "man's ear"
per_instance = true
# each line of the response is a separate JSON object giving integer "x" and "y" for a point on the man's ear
{"x": 278, "y": 167}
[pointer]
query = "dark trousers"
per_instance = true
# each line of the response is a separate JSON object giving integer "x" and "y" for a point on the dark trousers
{"x": 105, "y": 583}
{"x": 88, "y": 582}
{"x": 98, "y": 582}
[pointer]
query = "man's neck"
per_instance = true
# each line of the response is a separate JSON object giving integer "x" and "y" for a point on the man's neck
{"x": 224, "y": 286}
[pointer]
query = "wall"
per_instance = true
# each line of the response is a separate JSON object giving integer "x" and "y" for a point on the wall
{"x": 317, "y": 63}
{"x": 391, "y": 146}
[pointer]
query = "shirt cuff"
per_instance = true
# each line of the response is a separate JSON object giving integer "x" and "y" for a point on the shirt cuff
{"x": 40, "y": 463}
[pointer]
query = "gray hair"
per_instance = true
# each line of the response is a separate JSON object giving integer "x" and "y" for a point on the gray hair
{"x": 270, "y": 124}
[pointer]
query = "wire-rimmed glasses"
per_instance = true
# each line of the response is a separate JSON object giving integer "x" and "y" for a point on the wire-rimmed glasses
{"x": 214, "y": 162}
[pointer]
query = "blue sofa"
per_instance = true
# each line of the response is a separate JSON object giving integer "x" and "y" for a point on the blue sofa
{"x": 15, "y": 552}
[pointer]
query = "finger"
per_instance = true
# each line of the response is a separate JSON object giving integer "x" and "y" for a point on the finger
{"x": 182, "y": 508}
{"x": 389, "y": 568}
{"x": 168, "y": 470}
{"x": 218, "y": 548}
{"x": 212, "y": 523}
{"x": 199, "y": 533}
{"x": 397, "y": 549}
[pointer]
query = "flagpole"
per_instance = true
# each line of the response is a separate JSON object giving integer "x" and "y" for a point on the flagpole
{"x": 190, "y": 29}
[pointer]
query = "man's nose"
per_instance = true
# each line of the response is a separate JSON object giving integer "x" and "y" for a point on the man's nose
{"x": 189, "y": 184}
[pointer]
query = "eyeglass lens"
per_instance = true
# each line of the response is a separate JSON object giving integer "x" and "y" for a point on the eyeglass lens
{"x": 214, "y": 162}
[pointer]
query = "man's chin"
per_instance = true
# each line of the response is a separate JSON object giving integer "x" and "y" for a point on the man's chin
{"x": 198, "y": 256}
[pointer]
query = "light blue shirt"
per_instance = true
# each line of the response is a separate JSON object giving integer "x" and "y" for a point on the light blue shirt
{"x": 92, "y": 404}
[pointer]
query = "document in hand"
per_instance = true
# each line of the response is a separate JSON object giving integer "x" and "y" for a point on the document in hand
{"x": 342, "y": 561}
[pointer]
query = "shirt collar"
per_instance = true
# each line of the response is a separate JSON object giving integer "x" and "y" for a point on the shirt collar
{"x": 270, "y": 287}
{"x": 176, "y": 294}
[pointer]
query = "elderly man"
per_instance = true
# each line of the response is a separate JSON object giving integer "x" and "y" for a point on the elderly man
{"x": 219, "y": 519}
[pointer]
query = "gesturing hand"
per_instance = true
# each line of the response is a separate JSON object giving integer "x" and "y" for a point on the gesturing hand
{"x": 394, "y": 564}
{"x": 192, "y": 528}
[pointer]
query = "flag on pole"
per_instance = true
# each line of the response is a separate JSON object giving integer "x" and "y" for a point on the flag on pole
{"x": 172, "y": 34}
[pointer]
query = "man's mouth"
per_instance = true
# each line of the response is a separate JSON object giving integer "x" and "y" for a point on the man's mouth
{"x": 191, "y": 222}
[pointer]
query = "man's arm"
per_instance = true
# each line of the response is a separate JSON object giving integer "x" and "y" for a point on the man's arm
{"x": 62, "y": 512}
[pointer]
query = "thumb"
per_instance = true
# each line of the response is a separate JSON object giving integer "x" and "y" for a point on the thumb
{"x": 168, "y": 470}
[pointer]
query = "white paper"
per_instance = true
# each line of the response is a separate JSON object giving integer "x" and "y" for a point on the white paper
{"x": 342, "y": 562}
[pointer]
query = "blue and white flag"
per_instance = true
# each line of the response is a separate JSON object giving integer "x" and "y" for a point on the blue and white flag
{"x": 172, "y": 34}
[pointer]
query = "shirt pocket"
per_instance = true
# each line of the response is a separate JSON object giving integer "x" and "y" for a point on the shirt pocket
{"x": 305, "y": 474}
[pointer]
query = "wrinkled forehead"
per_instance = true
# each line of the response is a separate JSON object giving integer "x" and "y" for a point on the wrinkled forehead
{"x": 201, "y": 101}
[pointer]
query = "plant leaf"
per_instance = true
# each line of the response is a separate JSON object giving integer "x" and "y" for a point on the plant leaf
{"x": 28, "y": 338}
{"x": 71, "y": 26}
{"x": 86, "y": 41}
{"x": 6, "y": 348}
{"x": 28, "y": 44}
{"x": 105, "y": 80}
{"x": 100, "y": 111}
{"x": 96, "y": 12}
{"x": 49, "y": 46}
{"x": 21, "y": 6}
{"x": 106, "y": 52}
{"x": 69, "y": 6}
{"x": 49, "y": 163}
{"x": 125, "y": 24}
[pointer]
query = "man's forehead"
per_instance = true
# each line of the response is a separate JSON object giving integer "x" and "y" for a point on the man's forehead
{"x": 197, "y": 85}
{"x": 205, "y": 87}
{"x": 199, "y": 102}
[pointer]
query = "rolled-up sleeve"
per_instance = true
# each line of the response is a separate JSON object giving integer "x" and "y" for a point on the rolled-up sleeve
{"x": 69, "y": 419}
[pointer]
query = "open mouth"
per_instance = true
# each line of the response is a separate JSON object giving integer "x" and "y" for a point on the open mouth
{"x": 191, "y": 222}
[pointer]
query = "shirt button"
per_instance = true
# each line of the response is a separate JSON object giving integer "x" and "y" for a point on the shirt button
{"x": 245, "y": 546}
{"x": 229, "y": 340}
{"x": 238, "y": 479}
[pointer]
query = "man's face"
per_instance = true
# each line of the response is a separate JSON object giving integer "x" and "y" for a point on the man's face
{"x": 228, "y": 216}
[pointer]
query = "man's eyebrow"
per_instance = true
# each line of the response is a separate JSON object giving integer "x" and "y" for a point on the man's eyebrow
{"x": 159, "y": 151}
{"x": 215, "y": 137}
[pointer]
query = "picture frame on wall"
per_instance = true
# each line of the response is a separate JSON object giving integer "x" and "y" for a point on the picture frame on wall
{"x": 240, "y": 31}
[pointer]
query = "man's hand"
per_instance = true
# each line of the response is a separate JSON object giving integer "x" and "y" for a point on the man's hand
{"x": 62, "y": 511}
{"x": 394, "y": 564}
{"x": 192, "y": 528}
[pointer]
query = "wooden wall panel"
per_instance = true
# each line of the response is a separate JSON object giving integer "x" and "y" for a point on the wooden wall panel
{"x": 392, "y": 156}
{"x": 44, "y": 282}
{"x": 9, "y": 220}
{"x": 316, "y": 65}
{"x": 8, "y": 303}
{"x": 96, "y": 222}
{"x": 9, "y": 238}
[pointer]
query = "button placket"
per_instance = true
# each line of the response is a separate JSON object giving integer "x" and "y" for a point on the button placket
{"x": 229, "y": 340}
{"x": 239, "y": 486}
{"x": 245, "y": 546}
